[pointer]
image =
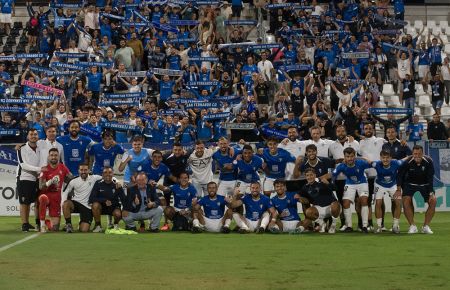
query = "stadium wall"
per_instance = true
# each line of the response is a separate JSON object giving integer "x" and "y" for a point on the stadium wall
{"x": 439, "y": 151}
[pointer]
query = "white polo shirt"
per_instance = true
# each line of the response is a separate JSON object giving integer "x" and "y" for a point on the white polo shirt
{"x": 322, "y": 146}
{"x": 45, "y": 146}
{"x": 296, "y": 148}
{"x": 370, "y": 148}
{"x": 81, "y": 189}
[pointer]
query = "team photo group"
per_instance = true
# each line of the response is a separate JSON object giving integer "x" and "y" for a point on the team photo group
{"x": 177, "y": 115}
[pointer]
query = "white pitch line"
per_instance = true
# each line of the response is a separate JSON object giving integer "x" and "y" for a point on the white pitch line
{"x": 4, "y": 248}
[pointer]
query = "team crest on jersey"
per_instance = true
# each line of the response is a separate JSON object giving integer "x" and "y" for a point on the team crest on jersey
{"x": 423, "y": 168}
{"x": 261, "y": 206}
{"x": 396, "y": 149}
{"x": 280, "y": 159}
{"x": 75, "y": 153}
{"x": 81, "y": 143}
{"x": 218, "y": 203}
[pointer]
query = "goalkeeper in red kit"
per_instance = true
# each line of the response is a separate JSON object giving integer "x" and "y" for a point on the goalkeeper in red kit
{"x": 50, "y": 184}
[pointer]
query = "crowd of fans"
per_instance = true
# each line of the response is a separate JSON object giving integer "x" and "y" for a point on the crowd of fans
{"x": 181, "y": 71}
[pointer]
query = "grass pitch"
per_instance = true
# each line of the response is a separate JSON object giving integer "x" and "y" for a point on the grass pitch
{"x": 234, "y": 261}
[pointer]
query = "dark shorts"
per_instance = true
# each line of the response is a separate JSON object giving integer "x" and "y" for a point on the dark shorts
{"x": 109, "y": 209}
{"x": 236, "y": 11}
{"x": 85, "y": 212}
{"x": 410, "y": 190}
{"x": 27, "y": 191}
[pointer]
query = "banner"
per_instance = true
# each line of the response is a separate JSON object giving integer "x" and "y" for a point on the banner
{"x": 228, "y": 99}
{"x": 124, "y": 96}
{"x": 201, "y": 83}
{"x": 121, "y": 127}
{"x": 172, "y": 112}
{"x": 9, "y": 199}
{"x": 345, "y": 80}
{"x": 7, "y": 58}
{"x": 95, "y": 63}
{"x": 203, "y": 105}
{"x": 38, "y": 98}
{"x": 15, "y": 101}
{"x": 296, "y": 67}
{"x": 217, "y": 116}
{"x": 395, "y": 111}
{"x": 176, "y": 22}
{"x": 389, "y": 31}
{"x": 67, "y": 66}
{"x": 265, "y": 46}
{"x": 439, "y": 151}
{"x": 31, "y": 55}
{"x": 239, "y": 126}
{"x": 169, "y": 72}
{"x": 118, "y": 103}
{"x": 135, "y": 24}
{"x": 138, "y": 74}
{"x": 347, "y": 55}
{"x": 112, "y": 16}
{"x": 399, "y": 47}
{"x": 49, "y": 72}
{"x": 9, "y": 132}
{"x": 274, "y": 132}
{"x": 70, "y": 54}
{"x": 13, "y": 109}
{"x": 239, "y": 22}
{"x": 178, "y": 40}
{"x": 94, "y": 134}
{"x": 67, "y": 5}
{"x": 229, "y": 45}
{"x": 42, "y": 87}
{"x": 165, "y": 27}
{"x": 204, "y": 58}
{"x": 206, "y": 3}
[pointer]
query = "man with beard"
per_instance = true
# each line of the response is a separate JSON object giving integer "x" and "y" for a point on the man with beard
{"x": 370, "y": 148}
{"x": 227, "y": 175}
{"x": 76, "y": 199}
{"x": 247, "y": 169}
{"x": 49, "y": 143}
{"x": 297, "y": 149}
{"x": 213, "y": 218}
{"x": 398, "y": 149}
{"x": 322, "y": 166}
{"x": 50, "y": 185}
{"x": 336, "y": 151}
{"x": 285, "y": 204}
{"x": 125, "y": 55}
{"x": 75, "y": 147}
{"x": 258, "y": 210}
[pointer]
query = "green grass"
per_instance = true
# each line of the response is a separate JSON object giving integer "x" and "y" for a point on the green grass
{"x": 217, "y": 261}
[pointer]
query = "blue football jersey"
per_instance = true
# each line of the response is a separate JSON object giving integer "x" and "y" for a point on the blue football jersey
{"x": 182, "y": 197}
{"x": 276, "y": 164}
{"x": 286, "y": 207}
{"x": 387, "y": 177}
{"x": 222, "y": 159}
{"x": 137, "y": 164}
{"x": 156, "y": 173}
{"x": 74, "y": 151}
{"x": 213, "y": 208}
{"x": 248, "y": 172}
{"x": 254, "y": 209}
{"x": 104, "y": 157}
{"x": 355, "y": 174}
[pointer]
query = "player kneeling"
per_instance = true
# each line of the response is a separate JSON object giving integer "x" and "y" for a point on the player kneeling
{"x": 285, "y": 204}
{"x": 322, "y": 201}
{"x": 258, "y": 210}
{"x": 213, "y": 218}
{"x": 105, "y": 199}
{"x": 50, "y": 184}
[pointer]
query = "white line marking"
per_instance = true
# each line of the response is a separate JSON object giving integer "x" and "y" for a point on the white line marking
{"x": 4, "y": 248}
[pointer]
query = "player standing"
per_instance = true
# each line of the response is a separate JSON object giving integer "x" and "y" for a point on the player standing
{"x": 227, "y": 175}
{"x": 104, "y": 154}
{"x": 200, "y": 162}
{"x": 50, "y": 185}
{"x": 416, "y": 175}
{"x": 356, "y": 183}
{"x": 297, "y": 148}
{"x": 247, "y": 169}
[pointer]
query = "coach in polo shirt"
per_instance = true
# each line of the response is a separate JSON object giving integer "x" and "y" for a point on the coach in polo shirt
{"x": 28, "y": 170}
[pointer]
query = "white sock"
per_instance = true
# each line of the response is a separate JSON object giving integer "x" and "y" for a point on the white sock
{"x": 334, "y": 220}
{"x": 239, "y": 222}
{"x": 319, "y": 222}
{"x": 396, "y": 222}
{"x": 348, "y": 217}
{"x": 265, "y": 220}
{"x": 196, "y": 223}
{"x": 365, "y": 215}
{"x": 42, "y": 223}
{"x": 227, "y": 223}
{"x": 379, "y": 221}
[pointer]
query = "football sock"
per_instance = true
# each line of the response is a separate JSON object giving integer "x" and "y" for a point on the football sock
{"x": 396, "y": 222}
{"x": 68, "y": 220}
{"x": 196, "y": 223}
{"x": 265, "y": 220}
{"x": 364, "y": 215}
{"x": 42, "y": 223}
{"x": 239, "y": 222}
{"x": 348, "y": 217}
{"x": 379, "y": 222}
{"x": 227, "y": 223}
{"x": 97, "y": 224}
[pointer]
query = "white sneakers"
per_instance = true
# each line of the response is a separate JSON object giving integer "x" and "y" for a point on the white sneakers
{"x": 332, "y": 229}
{"x": 97, "y": 229}
{"x": 395, "y": 229}
{"x": 427, "y": 230}
{"x": 412, "y": 229}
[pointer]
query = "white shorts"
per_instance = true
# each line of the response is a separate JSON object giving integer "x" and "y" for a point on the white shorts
{"x": 380, "y": 191}
{"x": 423, "y": 69}
{"x": 351, "y": 190}
{"x": 268, "y": 184}
{"x": 244, "y": 187}
{"x": 324, "y": 211}
{"x": 226, "y": 187}
{"x": 201, "y": 188}
{"x": 289, "y": 226}
{"x": 213, "y": 225}
{"x": 252, "y": 225}
{"x": 5, "y": 18}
